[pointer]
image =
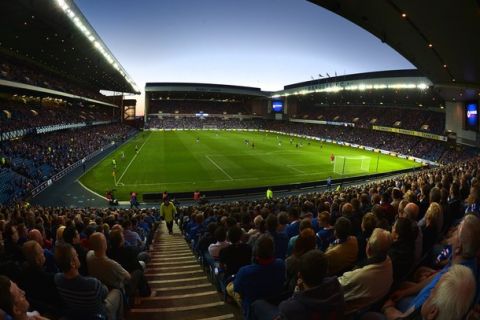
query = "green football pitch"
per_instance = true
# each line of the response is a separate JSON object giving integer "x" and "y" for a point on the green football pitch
{"x": 185, "y": 161}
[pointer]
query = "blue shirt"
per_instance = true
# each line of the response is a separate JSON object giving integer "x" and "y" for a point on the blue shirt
{"x": 325, "y": 236}
{"x": 293, "y": 229}
{"x": 256, "y": 281}
{"x": 423, "y": 295}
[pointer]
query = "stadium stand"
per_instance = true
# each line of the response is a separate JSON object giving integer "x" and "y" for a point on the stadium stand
{"x": 441, "y": 203}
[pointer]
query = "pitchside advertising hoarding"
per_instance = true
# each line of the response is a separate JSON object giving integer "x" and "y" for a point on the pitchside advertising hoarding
{"x": 471, "y": 116}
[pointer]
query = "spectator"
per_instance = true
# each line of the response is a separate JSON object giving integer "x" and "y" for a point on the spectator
{"x": 458, "y": 282}
{"x": 85, "y": 297}
{"x": 342, "y": 253}
{"x": 13, "y": 301}
{"x": 168, "y": 212}
{"x": 371, "y": 281}
{"x": 38, "y": 284}
{"x": 402, "y": 250}
{"x": 108, "y": 271}
{"x": 305, "y": 243}
{"x": 236, "y": 255}
{"x": 221, "y": 238}
{"x": 262, "y": 279}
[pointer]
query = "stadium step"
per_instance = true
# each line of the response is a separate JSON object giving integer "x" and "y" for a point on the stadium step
{"x": 180, "y": 287}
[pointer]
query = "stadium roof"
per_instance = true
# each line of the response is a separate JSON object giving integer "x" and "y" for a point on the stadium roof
{"x": 202, "y": 88}
{"x": 358, "y": 76}
{"x": 55, "y": 35}
{"x": 438, "y": 37}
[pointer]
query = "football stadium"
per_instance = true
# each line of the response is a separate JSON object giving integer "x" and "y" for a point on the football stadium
{"x": 215, "y": 160}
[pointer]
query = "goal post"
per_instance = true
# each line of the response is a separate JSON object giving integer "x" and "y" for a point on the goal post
{"x": 351, "y": 165}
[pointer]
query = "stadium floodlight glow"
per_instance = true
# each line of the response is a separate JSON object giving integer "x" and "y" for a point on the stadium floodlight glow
{"x": 74, "y": 14}
{"x": 422, "y": 86}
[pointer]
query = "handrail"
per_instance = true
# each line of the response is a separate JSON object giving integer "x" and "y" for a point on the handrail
{"x": 67, "y": 170}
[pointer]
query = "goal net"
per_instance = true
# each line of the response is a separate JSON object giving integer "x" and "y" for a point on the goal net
{"x": 210, "y": 126}
{"x": 351, "y": 165}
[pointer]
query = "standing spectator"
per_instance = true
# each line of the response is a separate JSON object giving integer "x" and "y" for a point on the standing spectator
{"x": 168, "y": 212}
{"x": 133, "y": 200}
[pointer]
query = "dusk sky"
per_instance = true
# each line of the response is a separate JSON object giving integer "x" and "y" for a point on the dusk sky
{"x": 259, "y": 43}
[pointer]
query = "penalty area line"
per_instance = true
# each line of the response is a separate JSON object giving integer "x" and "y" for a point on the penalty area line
{"x": 131, "y": 161}
{"x": 219, "y": 168}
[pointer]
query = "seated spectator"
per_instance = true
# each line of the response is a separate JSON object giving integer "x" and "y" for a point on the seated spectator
{"x": 279, "y": 238}
{"x": 37, "y": 236}
{"x": 197, "y": 229}
{"x": 305, "y": 243}
{"x": 206, "y": 239}
{"x": 236, "y": 255}
{"x": 304, "y": 224}
{"x": 85, "y": 297}
{"x": 14, "y": 303}
{"x": 37, "y": 283}
{"x": 342, "y": 253}
{"x": 264, "y": 278}
{"x": 126, "y": 256}
{"x": 450, "y": 299}
{"x": 411, "y": 212}
{"x": 132, "y": 238}
{"x": 431, "y": 230}
{"x": 369, "y": 223}
{"x": 326, "y": 232}
{"x": 71, "y": 236}
{"x": 316, "y": 296}
{"x": 108, "y": 271}
{"x": 465, "y": 246}
{"x": 293, "y": 228}
{"x": 402, "y": 250}
{"x": 221, "y": 238}
{"x": 371, "y": 281}
{"x": 13, "y": 250}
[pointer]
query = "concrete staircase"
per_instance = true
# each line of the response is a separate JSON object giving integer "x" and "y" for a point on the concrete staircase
{"x": 180, "y": 287}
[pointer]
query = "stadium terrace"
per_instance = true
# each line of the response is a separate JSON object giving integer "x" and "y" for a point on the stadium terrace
{"x": 347, "y": 196}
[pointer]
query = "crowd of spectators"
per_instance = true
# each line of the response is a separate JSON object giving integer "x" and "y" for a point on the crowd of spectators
{"x": 16, "y": 116}
{"x": 19, "y": 72}
{"x": 365, "y": 117}
{"x": 201, "y": 123}
{"x": 35, "y": 159}
{"x": 195, "y": 106}
{"x": 400, "y": 248}
{"x": 60, "y": 263}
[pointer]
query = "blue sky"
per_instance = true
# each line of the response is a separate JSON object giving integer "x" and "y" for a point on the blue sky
{"x": 260, "y": 43}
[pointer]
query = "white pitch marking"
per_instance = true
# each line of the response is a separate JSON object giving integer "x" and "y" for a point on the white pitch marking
{"x": 133, "y": 158}
{"x": 219, "y": 168}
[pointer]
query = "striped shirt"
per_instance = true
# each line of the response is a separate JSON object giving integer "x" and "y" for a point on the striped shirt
{"x": 82, "y": 295}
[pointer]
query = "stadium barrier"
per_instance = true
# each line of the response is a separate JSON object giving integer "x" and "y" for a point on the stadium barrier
{"x": 41, "y": 187}
{"x": 44, "y": 185}
{"x": 14, "y": 134}
{"x": 156, "y": 197}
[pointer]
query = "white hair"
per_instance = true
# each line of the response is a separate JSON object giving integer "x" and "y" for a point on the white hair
{"x": 455, "y": 293}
